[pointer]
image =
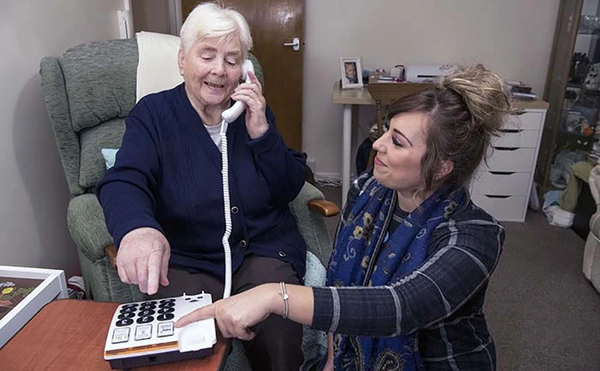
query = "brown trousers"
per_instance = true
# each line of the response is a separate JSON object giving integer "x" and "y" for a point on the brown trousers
{"x": 277, "y": 345}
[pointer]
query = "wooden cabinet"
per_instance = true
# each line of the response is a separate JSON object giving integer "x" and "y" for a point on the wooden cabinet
{"x": 502, "y": 184}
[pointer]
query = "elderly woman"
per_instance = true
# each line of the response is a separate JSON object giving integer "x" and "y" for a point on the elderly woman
{"x": 163, "y": 199}
{"x": 413, "y": 255}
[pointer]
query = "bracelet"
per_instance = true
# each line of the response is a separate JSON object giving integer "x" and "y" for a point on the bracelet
{"x": 285, "y": 296}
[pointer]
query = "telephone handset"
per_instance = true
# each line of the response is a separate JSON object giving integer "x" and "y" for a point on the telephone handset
{"x": 231, "y": 114}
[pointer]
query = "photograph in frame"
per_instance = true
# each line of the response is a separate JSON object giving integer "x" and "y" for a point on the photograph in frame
{"x": 351, "y": 72}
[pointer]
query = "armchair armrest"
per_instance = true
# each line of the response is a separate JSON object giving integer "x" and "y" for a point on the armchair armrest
{"x": 111, "y": 253}
{"x": 85, "y": 220}
{"x": 324, "y": 207}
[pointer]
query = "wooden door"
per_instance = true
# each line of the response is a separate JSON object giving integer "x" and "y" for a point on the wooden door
{"x": 273, "y": 23}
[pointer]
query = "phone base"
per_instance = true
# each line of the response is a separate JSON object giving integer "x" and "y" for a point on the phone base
{"x": 157, "y": 359}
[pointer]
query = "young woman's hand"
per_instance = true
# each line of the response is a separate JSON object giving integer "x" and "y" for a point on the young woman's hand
{"x": 237, "y": 314}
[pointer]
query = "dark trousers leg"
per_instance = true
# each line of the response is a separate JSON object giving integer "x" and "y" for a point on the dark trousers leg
{"x": 278, "y": 342}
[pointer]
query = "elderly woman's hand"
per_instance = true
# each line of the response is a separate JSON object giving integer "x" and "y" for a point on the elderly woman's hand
{"x": 237, "y": 314}
{"x": 251, "y": 94}
{"x": 143, "y": 259}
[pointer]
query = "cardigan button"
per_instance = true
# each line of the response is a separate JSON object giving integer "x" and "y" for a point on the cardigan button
{"x": 243, "y": 243}
{"x": 234, "y": 210}
{"x": 282, "y": 254}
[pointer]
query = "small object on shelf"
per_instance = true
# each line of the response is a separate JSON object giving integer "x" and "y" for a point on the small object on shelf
{"x": 520, "y": 90}
{"x": 592, "y": 79}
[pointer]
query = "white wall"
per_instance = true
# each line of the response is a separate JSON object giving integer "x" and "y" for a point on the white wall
{"x": 511, "y": 37}
{"x": 34, "y": 194}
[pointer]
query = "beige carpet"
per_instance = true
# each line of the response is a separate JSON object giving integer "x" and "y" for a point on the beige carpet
{"x": 543, "y": 313}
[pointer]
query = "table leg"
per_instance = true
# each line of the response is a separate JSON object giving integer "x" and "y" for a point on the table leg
{"x": 346, "y": 150}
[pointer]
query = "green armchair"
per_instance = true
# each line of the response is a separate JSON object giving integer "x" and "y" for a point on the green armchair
{"x": 88, "y": 92}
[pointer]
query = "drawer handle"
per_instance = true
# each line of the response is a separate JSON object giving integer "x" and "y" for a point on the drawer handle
{"x": 510, "y": 130}
{"x": 502, "y": 172}
{"x": 507, "y": 148}
{"x": 496, "y": 196}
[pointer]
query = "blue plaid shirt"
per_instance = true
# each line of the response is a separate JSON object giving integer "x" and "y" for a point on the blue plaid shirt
{"x": 442, "y": 300}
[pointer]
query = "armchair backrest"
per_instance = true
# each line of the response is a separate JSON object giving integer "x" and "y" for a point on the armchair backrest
{"x": 89, "y": 91}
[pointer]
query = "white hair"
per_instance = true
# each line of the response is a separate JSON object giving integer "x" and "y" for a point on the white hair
{"x": 209, "y": 20}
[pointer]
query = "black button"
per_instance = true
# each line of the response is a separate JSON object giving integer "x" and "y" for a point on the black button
{"x": 124, "y": 322}
{"x": 166, "y": 305}
{"x": 128, "y": 309}
{"x": 147, "y": 319}
{"x": 166, "y": 310}
{"x": 146, "y": 312}
{"x": 234, "y": 210}
{"x": 243, "y": 243}
{"x": 165, "y": 317}
{"x": 126, "y": 315}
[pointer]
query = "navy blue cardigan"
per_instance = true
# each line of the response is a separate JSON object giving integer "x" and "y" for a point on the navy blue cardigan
{"x": 167, "y": 176}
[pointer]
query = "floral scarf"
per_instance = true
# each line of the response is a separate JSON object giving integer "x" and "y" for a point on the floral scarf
{"x": 359, "y": 242}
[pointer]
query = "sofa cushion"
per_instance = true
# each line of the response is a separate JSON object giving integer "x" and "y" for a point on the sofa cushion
{"x": 107, "y": 135}
{"x": 100, "y": 81}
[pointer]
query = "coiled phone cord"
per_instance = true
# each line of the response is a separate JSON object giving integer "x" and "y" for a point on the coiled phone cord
{"x": 227, "y": 209}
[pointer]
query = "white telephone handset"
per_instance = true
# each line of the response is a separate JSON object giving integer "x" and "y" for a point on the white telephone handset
{"x": 231, "y": 114}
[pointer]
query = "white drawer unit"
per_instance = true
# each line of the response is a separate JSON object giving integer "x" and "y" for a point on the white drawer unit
{"x": 512, "y": 159}
{"x": 502, "y": 184}
{"x": 527, "y": 120}
{"x": 516, "y": 138}
{"x": 503, "y": 208}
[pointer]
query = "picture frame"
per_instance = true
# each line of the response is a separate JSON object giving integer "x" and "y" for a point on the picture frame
{"x": 49, "y": 284}
{"x": 351, "y": 73}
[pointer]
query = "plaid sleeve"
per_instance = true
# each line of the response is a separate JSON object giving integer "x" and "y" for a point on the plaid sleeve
{"x": 463, "y": 254}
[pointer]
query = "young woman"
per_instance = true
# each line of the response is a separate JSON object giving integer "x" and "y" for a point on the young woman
{"x": 413, "y": 255}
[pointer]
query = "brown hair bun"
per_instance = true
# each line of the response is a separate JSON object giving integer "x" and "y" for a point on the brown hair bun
{"x": 484, "y": 93}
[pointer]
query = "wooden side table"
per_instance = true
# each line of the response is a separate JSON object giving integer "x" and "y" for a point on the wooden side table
{"x": 70, "y": 335}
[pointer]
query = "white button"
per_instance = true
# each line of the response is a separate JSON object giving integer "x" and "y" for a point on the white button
{"x": 282, "y": 254}
{"x": 143, "y": 332}
{"x": 165, "y": 329}
{"x": 120, "y": 335}
{"x": 243, "y": 243}
{"x": 235, "y": 209}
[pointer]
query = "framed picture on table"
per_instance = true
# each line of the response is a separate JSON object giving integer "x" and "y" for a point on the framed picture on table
{"x": 23, "y": 292}
{"x": 351, "y": 72}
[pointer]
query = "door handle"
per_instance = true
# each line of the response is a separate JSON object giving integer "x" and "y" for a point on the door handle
{"x": 294, "y": 44}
